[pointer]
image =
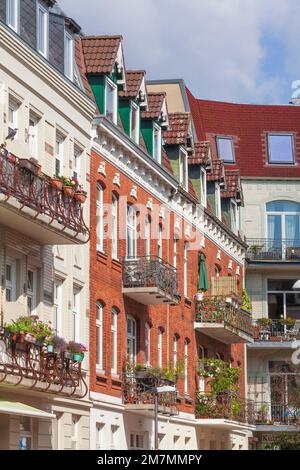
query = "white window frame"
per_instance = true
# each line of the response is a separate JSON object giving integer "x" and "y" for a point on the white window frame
{"x": 159, "y": 347}
{"x": 114, "y": 227}
{"x": 13, "y": 110}
{"x": 10, "y": 284}
{"x": 185, "y": 269}
{"x": 31, "y": 291}
{"x": 203, "y": 187}
{"x": 283, "y": 134}
{"x": 77, "y": 155}
{"x": 157, "y": 135}
{"x": 59, "y": 153}
{"x": 131, "y": 339}
{"x": 186, "y": 367}
{"x": 201, "y": 382}
{"x": 183, "y": 168}
{"x": 175, "y": 251}
{"x": 131, "y": 232}
{"x": 69, "y": 56}
{"x": 15, "y": 24}
{"x": 175, "y": 351}
{"x": 137, "y": 441}
{"x": 218, "y": 201}
{"x": 134, "y": 108}
{"x": 26, "y": 435}
{"x": 76, "y": 312}
{"x": 110, "y": 83}
{"x": 33, "y": 134}
{"x": 75, "y": 431}
{"x": 147, "y": 236}
{"x": 99, "y": 336}
{"x": 218, "y": 138}
{"x": 147, "y": 345}
{"x": 234, "y": 212}
{"x": 160, "y": 242}
{"x": 40, "y": 8}
{"x": 114, "y": 342}
{"x": 99, "y": 218}
{"x": 58, "y": 306}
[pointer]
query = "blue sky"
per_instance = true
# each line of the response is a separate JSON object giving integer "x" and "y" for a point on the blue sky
{"x": 231, "y": 50}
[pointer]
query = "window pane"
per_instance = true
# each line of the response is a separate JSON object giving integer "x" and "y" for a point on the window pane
{"x": 281, "y": 284}
{"x": 280, "y": 148}
{"x": 225, "y": 149}
{"x": 275, "y": 306}
{"x": 283, "y": 206}
{"x": 293, "y": 306}
{"x": 110, "y": 101}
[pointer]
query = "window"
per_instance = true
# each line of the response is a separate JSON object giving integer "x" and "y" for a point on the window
{"x": 183, "y": 171}
{"x": 135, "y": 122}
{"x": 175, "y": 351}
{"x": 201, "y": 383}
{"x": 75, "y": 432}
{"x": 283, "y": 227}
{"x": 114, "y": 342}
{"x": 131, "y": 340}
{"x": 59, "y": 153}
{"x": 77, "y": 162}
{"x": 131, "y": 232}
{"x": 76, "y": 314}
{"x": 33, "y": 135}
{"x": 160, "y": 242}
{"x": 99, "y": 336}
{"x": 111, "y": 100}
{"x": 281, "y": 148}
{"x": 42, "y": 30}
{"x": 31, "y": 290}
{"x": 25, "y": 433}
{"x": 185, "y": 270}
{"x": 203, "y": 193}
{"x": 148, "y": 236}
{"x": 175, "y": 249}
{"x": 13, "y": 107}
{"x": 58, "y": 306}
{"x": 113, "y": 436}
{"x": 234, "y": 210}
{"x": 10, "y": 283}
{"x": 283, "y": 301}
{"x": 157, "y": 143}
{"x": 69, "y": 56}
{"x": 159, "y": 347}
{"x": 186, "y": 367}
{"x": 114, "y": 226}
{"x": 147, "y": 344}
{"x": 225, "y": 149}
{"x": 218, "y": 201}
{"x": 136, "y": 441}
{"x": 13, "y": 14}
{"x": 99, "y": 219}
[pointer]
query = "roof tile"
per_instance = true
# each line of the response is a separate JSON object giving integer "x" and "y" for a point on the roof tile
{"x": 133, "y": 83}
{"x": 155, "y": 103}
{"x": 201, "y": 154}
{"x": 100, "y": 53}
{"x": 178, "y": 129}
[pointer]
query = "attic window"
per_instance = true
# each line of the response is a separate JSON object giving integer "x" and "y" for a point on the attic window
{"x": 135, "y": 122}
{"x": 225, "y": 149}
{"x": 281, "y": 148}
{"x": 69, "y": 56}
{"x": 183, "y": 170}
{"x": 12, "y": 14}
{"x": 111, "y": 100}
{"x": 157, "y": 143}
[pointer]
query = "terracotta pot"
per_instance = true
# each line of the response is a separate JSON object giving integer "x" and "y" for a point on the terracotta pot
{"x": 57, "y": 183}
{"x": 30, "y": 338}
{"x": 68, "y": 191}
{"x": 80, "y": 197}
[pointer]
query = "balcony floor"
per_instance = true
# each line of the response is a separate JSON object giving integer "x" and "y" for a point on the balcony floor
{"x": 225, "y": 424}
{"x": 220, "y": 332}
{"x": 148, "y": 295}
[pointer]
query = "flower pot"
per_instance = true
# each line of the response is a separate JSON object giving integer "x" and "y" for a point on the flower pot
{"x": 80, "y": 197}
{"x": 199, "y": 296}
{"x": 30, "y": 338}
{"x": 78, "y": 357}
{"x": 69, "y": 355}
{"x": 57, "y": 183}
{"x": 7, "y": 334}
{"x": 68, "y": 191}
{"x": 50, "y": 348}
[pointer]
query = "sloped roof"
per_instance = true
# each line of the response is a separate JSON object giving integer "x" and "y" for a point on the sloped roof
{"x": 79, "y": 58}
{"x": 201, "y": 154}
{"x": 178, "y": 130}
{"x": 100, "y": 53}
{"x": 155, "y": 104}
{"x": 217, "y": 172}
{"x": 133, "y": 83}
{"x": 166, "y": 162}
{"x": 233, "y": 185}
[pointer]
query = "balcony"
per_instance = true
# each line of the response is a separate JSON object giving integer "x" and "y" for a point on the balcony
{"x": 27, "y": 364}
{"x": 138, "y": 394}
{"x": 276, "y": 414}
{"x": 223, "y": 321}
{"x": 262, "y": 250}
{"x": 270, "y": 334}
{"x": 225, "y": 410}
{"x": 31, "y": 205}
{"x": 150, "y": 281}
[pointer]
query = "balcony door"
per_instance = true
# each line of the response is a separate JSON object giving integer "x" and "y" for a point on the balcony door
{"x": 131, "y": 340}
{"x": 283, "y": 227}
{"x": 283, "y": 302}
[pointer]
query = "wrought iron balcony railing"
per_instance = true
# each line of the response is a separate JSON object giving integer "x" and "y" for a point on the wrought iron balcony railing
{"x": 21, "y": 179}
{"x": 150, "y": 280}
{"x": 267, "y": 249}
{"x": 227, "y": 406}
{"x": 217, "y": 311}
{"x": 30, "y": 365}
{"x": 138, "y": 392}
{"x": 267, "y": 413}
{"x": 266, "y": 329}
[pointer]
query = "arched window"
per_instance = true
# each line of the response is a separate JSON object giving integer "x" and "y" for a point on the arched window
{"x": 131, "y": 232}
{"x": 99, "y": 219}
{"x": 148, "y": 235}
{"x": 185, "y": 269}
{"x": 160, "y": 242}
{"x": 201, "y": 355}
{"x": 114, "y": 341}
{"x": 99, "y": 336}
{"x": 175, "y": 350}
{"x": 147, "y": 344}
{"x": 159, "y": 347}
{"x": 114, "y": 227}
{"x": 283, "y": 223}
{"x": 186, "y": 366}
{"x": 131, "y": 339}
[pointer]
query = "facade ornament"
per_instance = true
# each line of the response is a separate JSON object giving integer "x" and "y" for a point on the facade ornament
{"x": 101, "y": 169}
{"x": 133, "y": 192}
{"x": 117, "y": 180}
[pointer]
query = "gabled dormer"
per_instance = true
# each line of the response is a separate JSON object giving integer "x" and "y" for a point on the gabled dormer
{"x": 105, "y": 71}
{"x": 215, "y": 183}
{"x": 232, "y": 199}
{"x": 153, "y": 121}
{"x": 132, "y": 101}
{"x": 200, "y": 164}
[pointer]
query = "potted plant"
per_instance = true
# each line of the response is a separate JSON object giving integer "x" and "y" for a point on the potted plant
{"x": 80, "y": 195}
{"x": 76, "y": 350}
{"x": 57, "y": 182}
{"x": 68, "y": 187}
{"x": 56, "y": 344}
{"x": 266, "y": 322}
{"x": 246, "y": 304}
{"x": 199, "y": 296}
{"x": 289, "y": 321}
{"x": 141, "y": 371}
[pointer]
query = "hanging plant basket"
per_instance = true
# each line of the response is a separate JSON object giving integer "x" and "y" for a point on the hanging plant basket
{"x": 68, "y": 191}
{"x": 57, "y": 183}
{"x": 80, "y": 196}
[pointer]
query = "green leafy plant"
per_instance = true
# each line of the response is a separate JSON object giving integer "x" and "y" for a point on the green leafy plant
{"x": 289, "y": 321}
{"x": 246, "y": 305}
{"x": 265, "y": 322}
{"x": 221, "y": 377}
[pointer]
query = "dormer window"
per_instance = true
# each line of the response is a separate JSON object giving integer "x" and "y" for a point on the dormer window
{"x": 157, "y": 142}
{"x": 218, "y": 201}
{"x": 281, "y": 149}
{"x": 42, "y": 30}
{"x": 183, "y": 170}
{"x": 134, "y": 122}
{"x": 13, "y": 14}
{"x": 225, "y": 149}
{"x": 234, "y": 217}
{"x": 111, "y": 100}
{"x": 203, "y": 191}
{"x": 69, "y": 56}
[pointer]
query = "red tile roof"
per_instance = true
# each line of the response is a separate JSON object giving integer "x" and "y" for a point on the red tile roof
{"x": 248, "y": 125}
{"x": 79, "y": 57}
{"x": 166, "y": 163}
{"x": 100, "y": 53}
{"x": 201, "y": 154}
{"x": 178, "y": 129}
{"x": 217, "y": 172}
{"x": 155, "y": 103}
{"x": 233, "y": 185}
{"x": 133, "y": 83}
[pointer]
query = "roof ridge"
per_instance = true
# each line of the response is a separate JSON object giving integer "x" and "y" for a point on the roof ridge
{"x": 107, "y": 36}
